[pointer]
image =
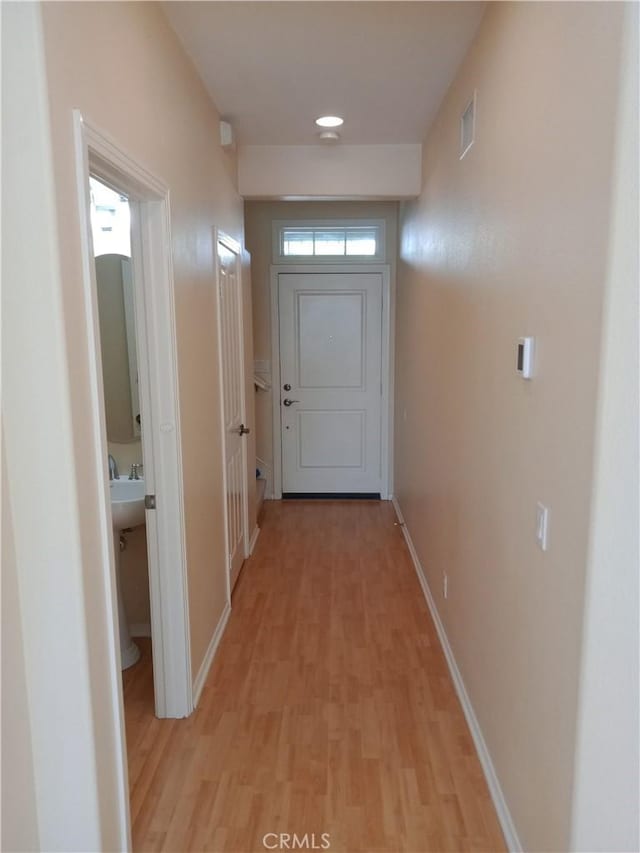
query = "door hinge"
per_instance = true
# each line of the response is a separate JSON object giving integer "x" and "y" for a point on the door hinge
{"x": 149, "y": 501}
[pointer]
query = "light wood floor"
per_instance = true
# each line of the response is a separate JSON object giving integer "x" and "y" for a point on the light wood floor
{"x": 328, "y": 709}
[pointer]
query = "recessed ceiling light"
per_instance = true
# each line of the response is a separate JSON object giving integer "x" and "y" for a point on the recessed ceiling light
{"x": 329, "y": 121}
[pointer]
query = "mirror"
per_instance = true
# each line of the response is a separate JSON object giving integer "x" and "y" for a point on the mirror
{"x": 118, "y": 344}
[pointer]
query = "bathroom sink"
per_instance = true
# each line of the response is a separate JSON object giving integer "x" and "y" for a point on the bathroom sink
{"x": 127, "y": 503}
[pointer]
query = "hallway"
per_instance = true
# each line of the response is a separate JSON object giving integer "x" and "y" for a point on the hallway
{"x": 328, "y": 709}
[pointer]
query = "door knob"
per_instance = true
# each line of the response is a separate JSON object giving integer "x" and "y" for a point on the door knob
{"x": 243, "y": 430}
{"x": 287, "y": 387}
{"x": 289, "y": 402}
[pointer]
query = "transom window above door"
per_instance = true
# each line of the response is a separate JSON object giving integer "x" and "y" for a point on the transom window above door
{"x": 328, "y": 241}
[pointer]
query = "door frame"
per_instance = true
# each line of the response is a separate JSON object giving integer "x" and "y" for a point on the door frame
{"x": 386, "y": 431}
{"x": 234, "y": 247}
{"x": 96, "y": 153}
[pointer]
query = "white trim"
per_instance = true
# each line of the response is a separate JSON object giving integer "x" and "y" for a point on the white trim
{"x": 254, "y": 539}
{"x": 140, "y": 629}
{"x": 227, "y": 558}
{"x": 386, "y": 413}
{"x": 205, "y": 666}
{"x": 107, "y": 568}
{"x": 157, "y": 363}
{"x": 388, "y": 310}
{"x": 276, "y": 419}
{"x": 499, "y": 801}
{"x": 278, "y": 225}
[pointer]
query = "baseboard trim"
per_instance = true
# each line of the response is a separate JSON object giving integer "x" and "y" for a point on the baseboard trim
{"x": 502, "y": 810}
{"x": 140, "y": 629}
{"x": 254, "y": 539}
{"x": 205, "y": 666}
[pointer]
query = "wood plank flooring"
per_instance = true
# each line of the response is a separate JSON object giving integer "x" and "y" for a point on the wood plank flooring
{"x": 328, "y": 709}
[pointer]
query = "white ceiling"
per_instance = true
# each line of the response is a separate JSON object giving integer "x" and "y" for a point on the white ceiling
{"x": 273, "y": 68}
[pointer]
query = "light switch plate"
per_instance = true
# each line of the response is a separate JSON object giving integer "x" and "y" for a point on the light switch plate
{"x": 524, "y": 363}
{"x": 542, "y": 526}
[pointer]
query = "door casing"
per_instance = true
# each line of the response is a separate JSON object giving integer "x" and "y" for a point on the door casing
{"x": 386, "y": 436}
{"x": 96, "y": 153}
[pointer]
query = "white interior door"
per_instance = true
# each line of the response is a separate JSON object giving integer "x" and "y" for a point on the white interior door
{"x": 233, "y": 402}
{"x": 331, "y": 382}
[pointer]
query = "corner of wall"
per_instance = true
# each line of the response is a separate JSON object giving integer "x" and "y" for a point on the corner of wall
{"x": 607, "y": 744}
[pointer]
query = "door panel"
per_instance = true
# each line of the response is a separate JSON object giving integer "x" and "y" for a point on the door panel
{"x": 331, "y": 355}
{"x": 331, "y": 439}
{"x": 332, "y": 360}
{"x": 232, "y": 351}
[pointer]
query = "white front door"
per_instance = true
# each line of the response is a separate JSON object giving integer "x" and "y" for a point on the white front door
{"x": 330, "y": 382}
{"x": 233, "y": 402}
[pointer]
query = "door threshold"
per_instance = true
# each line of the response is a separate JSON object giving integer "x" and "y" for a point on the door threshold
{"x": 331, "y": 496}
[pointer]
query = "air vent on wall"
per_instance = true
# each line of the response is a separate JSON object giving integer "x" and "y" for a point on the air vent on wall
{"x": 467, "y": 126}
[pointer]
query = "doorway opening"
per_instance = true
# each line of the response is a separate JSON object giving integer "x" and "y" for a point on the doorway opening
{"x": 124, "y": 220}
{"x": 332, "y": 378}
{"x": 111, "y": 235}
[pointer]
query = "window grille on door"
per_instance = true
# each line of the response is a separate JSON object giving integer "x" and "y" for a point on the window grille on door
{"x": 329, "y": 241}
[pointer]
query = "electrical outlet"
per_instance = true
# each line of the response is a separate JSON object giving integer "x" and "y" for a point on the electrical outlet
{"x": 445, "y": 584}
{"x": 542, "y": 526}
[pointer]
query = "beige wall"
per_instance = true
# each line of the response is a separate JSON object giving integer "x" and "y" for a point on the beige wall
{"x": 259, "y": 216}
{"x": 340, "y": 171}
{"x": 138, "y": 86}
{"x": 126, "y": 455}
{"x": 133, "y": 560}
{"x": 134, "y": 577}
{"x": 511, "y": 241}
